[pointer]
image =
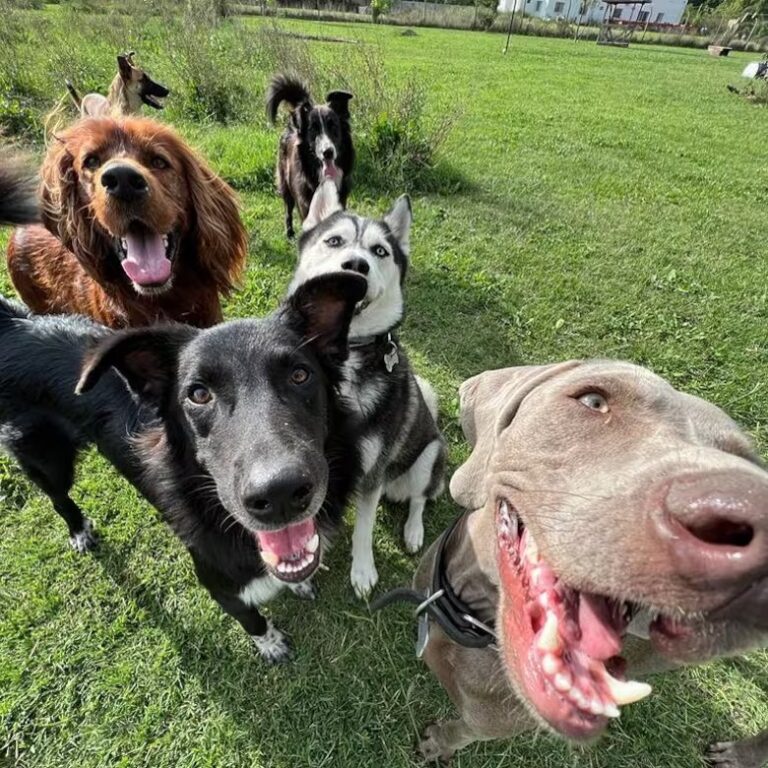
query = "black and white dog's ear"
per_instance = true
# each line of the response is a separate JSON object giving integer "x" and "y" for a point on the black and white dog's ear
{"x": 338, "y": 101}
{"x": 146, "y": 357}
{"x": 322, "y": 308}
{"x": 325, "y": 201}
{"x": 399, "y": 220}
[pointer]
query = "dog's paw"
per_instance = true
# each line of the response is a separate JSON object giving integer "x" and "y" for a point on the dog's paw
{"x": 732, "y": 754}
{"x": 85, "y": 540}
{"x": 413, "y": 535}
{"x": 364, "y": 577}
{"x": 304, "y": 590}
{"x": 273, "y": 646}
{"x": 429, "y": 749}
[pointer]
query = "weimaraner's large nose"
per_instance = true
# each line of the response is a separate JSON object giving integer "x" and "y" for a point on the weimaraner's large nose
{"x": 716, "y": 528}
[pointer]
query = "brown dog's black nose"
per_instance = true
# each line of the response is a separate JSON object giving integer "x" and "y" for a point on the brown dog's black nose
{"x": 360, "y": 266}
{"x": 716, "y": 528}
{"x": 124, "y": 182}
{"x": 278, "y": 498}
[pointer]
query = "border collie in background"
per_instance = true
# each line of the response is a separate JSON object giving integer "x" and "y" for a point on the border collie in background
{"x": 315, "y": 146}
{"x": 234, "y": 433}
{"x": 402, "y": 451}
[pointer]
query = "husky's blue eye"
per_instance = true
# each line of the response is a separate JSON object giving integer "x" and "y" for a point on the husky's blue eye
{"x": 334, "y": 242}
{"x": 380, "y": 251}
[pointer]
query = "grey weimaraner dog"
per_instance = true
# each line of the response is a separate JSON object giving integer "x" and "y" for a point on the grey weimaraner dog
{"x": 620, "y": 527}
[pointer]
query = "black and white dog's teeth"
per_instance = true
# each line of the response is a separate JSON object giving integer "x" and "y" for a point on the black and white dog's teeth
{"x": 273, "y": 646}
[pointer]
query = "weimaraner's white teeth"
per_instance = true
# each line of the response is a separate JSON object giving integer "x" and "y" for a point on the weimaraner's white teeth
{"x": 531, "y": 550}
{"x": 549, "y": 638}
{"x": 626, "y": 692}
{"x": 611, "y": 710}
{"x": 596, "y": 707}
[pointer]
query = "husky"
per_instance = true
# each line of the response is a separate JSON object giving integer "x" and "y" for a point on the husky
{"x": 402, "y": 451}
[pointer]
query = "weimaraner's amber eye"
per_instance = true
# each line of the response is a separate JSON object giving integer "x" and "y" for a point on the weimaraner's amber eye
{"x": 594, "y": 401}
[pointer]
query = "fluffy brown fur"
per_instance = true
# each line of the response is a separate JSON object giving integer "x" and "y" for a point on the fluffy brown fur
{"x": 74, "y": 263}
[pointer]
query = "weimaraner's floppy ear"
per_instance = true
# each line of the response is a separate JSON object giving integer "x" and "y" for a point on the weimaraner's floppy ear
{"x": 488, "y": 403}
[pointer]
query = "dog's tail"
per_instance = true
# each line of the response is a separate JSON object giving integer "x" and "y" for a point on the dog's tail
{"x": 18, "y": 192}
{"x": 12, "y": 310}
{"x": 429, "y": 395}
{"x": 288, "y": 89}
{"x": 76, "y": 97}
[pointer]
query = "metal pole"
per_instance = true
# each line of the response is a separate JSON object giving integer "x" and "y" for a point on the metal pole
{"x": 511, "y": 21}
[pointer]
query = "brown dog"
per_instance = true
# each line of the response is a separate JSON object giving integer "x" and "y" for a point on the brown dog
{"x": 139, "y": 229}
{"x": 131, "y": 88}
{"x": 607, "y": 504}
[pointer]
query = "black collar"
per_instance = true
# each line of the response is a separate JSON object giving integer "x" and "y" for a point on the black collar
{"x": 442, "y": 604}
{"x": 385, "y": 343}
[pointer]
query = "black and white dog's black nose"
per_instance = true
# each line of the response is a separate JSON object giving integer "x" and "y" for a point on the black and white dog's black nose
{"x": 360, "y": 266}
{"x": 277, "y": 498}
{"x": 328, "y": 153}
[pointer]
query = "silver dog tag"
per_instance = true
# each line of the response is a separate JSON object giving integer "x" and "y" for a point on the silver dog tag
{"x": 391, "y": 358}
{"x": 422, "y": 637}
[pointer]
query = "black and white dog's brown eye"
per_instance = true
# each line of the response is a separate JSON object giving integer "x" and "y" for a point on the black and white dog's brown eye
{"x": 334, "y": 242}
{"x": 595, "y": 402}
{"x": 199, "y": 395}
{"x": 380, "y": 251}
{"x": 300, "y": 375}
{"x": 91, "y": 162}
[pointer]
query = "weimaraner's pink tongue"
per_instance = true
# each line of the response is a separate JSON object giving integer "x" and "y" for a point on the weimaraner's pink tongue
{"x": 599, "y": 636}
{"x": 146, "y": 262}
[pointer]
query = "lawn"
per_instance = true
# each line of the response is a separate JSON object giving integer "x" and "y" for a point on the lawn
{"x": 588, "y": 202}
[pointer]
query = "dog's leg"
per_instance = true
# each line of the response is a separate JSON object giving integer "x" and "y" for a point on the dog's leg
{"x": 413, "y": 533}
{"x": 289, "y": 206}
{"x": 422, "y": 481}
{"x": 273, "y": 646}
{"x": 364, "y": 575}
{"x": 749, "y": 753}
{"x": 441, "y": 740}
{"x": 47, "y": 456}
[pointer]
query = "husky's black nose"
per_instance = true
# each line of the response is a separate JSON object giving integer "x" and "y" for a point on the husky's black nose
{"x": 277, "y": 498}
{"x": 124, "y": 182}
{"x": 360, "y": 266}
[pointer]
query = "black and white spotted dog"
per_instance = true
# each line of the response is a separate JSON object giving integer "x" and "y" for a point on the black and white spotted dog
{"x": 315, "y": 146}
{"x": 402, "y": 450}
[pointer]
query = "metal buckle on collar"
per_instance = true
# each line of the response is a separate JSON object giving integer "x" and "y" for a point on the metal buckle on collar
{"x": 391, "y": 358}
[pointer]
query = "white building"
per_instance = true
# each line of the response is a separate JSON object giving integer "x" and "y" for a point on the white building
{"x": 655, "y": 12}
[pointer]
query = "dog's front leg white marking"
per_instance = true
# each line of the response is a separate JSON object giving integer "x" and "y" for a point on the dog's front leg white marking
{"x": 273, "y": 646}
{"x": 413, "y": 533}
{"x": 364, "y": 575}
{"x": 304, "y": 590}
{"x": 85, "y": 540}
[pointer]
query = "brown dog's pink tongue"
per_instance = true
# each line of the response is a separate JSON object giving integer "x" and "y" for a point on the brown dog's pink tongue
{"x": 145, "y": 262}
{"x": 287, "y": 541}
{"x": 599, "y": 637}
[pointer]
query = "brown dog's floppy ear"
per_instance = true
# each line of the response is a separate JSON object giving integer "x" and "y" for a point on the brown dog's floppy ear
{"x": 322, "y": 308}
{"x": 145, "y": 357}
{"x": 61, "y": 206}
{"x": 488, "y": 403}
{"x": 338, "y": 101}
{"x": 221, "y": 238}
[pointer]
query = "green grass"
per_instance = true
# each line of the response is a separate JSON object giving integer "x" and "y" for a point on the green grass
{"x": 589, "y": 202}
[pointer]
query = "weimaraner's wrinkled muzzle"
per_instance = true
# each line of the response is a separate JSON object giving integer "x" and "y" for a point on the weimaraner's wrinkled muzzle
{"x": 608, "y": 504}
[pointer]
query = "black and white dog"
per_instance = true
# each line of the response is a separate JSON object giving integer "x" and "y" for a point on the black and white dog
{"x": 402, "y": 451}
{"x": 316, "y": 145}
{"x": 235, "y": 433}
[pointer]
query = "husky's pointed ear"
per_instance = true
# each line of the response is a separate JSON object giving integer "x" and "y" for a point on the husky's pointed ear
{"x": 399, "y": 220}
{"x": 145, "y": 357}
{"x": 324, "y": 202}
{"x": 94, "y": 105}
{"x": 322, "y": 308}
